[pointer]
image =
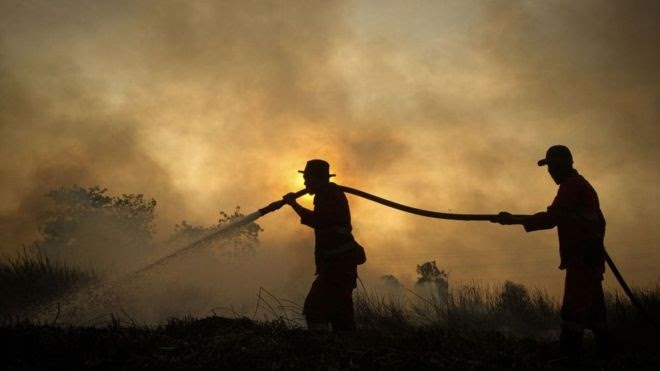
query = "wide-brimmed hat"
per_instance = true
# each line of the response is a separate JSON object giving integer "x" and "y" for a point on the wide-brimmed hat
{"x": 557, "y": 154}
{"x": 317, "y": 168}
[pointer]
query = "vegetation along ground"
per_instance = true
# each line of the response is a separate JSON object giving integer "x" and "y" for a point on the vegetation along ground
{"x": 469, "y": 327}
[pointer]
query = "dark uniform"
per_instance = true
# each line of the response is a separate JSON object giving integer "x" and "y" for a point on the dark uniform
{"x": 330, "y": 298}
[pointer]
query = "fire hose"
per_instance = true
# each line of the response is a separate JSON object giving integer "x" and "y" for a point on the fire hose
{"x": 405, "y": 208}
{"x": 468, "y": 217}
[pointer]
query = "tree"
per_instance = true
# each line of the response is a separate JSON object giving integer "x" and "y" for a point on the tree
{"x": 391, "y": 281}
{"x": 88, "y": 227}
{"x": 429, "y": 272}
{"x": 430, "y": 275}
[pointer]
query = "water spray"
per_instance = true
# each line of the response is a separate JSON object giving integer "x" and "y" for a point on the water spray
{"x": 229, "y": 227}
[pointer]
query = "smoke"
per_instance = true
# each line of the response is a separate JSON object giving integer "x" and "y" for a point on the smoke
{"x": 207, "y": 105}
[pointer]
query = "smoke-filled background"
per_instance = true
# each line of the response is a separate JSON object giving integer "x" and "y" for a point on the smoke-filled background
{"x": 206, "y": 105}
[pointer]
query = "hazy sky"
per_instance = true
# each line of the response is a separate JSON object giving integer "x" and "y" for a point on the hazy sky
{"x": 445, "y": 105}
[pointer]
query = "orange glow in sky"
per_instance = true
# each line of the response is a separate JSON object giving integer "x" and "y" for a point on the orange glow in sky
{"x": 442, "y": 105}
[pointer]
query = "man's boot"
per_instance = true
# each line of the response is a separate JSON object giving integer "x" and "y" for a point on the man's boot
{"x": 570, "y": 342}
{"x": 318, "y": 326}
{"x": 604, "y": 343}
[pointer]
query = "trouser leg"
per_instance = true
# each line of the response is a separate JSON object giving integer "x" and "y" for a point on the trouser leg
{"x": 315, "y": 307}
{"x": 343, "y": 319}
{"x": 602, "y": 335}
{"x": 329, "y": 302}
{"x": 583, "y": 306}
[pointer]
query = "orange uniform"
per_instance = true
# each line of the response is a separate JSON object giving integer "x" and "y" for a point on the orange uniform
{"x": 330, "y": 298}
{"x": 580, "y": 224}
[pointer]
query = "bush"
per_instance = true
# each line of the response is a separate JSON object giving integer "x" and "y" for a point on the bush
{"x": 514, "y": 298}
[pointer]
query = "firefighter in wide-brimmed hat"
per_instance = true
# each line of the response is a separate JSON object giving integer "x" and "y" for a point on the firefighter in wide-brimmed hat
{"x": 337, "y": 254}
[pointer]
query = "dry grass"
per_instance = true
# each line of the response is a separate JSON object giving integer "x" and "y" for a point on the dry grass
{"x": 28, "y": 279}
{"x": 470, "y": 326}
{"x": 508, "y": 308}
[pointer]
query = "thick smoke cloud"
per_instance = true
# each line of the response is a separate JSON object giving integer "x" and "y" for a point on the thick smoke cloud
{"x": 208, "y": 105}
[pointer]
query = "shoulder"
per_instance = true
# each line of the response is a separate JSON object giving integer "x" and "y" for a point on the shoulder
{"x": 331, "y": 194}
{"x": 335, "y": 192}
{"x": 575, "y": 180}
{"x": 576, "y": 184}
{"x": 581, "y": 181}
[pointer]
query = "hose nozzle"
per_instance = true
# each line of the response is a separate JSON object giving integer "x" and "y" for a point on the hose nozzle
{"x": 271, "y": 207}
{"x": 279, "y": 203}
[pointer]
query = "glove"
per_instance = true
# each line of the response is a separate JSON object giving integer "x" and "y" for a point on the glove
{"x": 289, "y": 198}
{"x": 504, "y": 218}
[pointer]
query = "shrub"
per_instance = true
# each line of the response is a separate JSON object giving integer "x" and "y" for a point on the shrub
{"x": 434, "y": 278}
{"x": 242, "y": 241}
{"x": 87, "y": 227}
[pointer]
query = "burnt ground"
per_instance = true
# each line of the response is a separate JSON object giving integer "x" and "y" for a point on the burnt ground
{"x": 222, "y": 343}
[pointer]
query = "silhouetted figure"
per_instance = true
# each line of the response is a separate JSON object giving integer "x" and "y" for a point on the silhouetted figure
{"x": 580, "y": 224}
{"x": 337, "y": 255}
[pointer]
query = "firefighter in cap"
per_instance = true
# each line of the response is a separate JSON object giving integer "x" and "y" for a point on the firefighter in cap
{"x": 337, "y": 254}
{"x": 580, "y": 224}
